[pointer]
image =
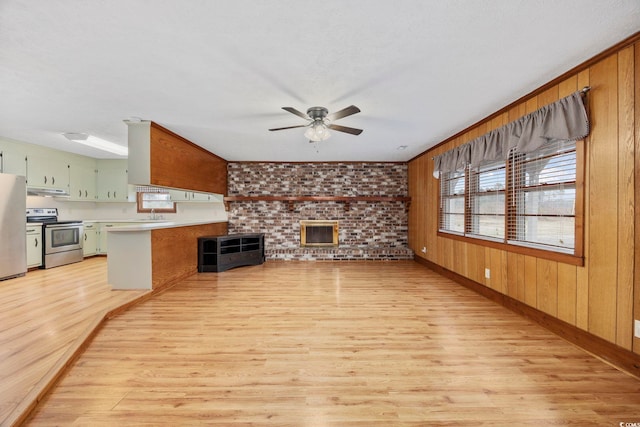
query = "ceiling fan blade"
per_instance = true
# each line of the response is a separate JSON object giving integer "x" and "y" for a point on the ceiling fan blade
{"x": 352, "y": 109}
{"x": 296, "y": 112}
{"x": 352, "y": 131}
{"x": 290, "y": 127}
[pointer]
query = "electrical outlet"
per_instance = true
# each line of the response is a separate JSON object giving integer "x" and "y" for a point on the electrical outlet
{"x": 424, "y": 250}
{"x": 636, "y": 328}
{"x": 487, "y": 273}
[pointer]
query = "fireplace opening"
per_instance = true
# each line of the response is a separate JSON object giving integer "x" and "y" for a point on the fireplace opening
{"x": 318, "y": 233}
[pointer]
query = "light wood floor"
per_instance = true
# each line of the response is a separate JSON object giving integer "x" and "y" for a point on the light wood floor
{"x": 333, "y": 344}
{"x": 44, "y": 317}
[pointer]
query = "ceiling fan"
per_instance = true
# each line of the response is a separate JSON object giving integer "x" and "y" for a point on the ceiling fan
{"x": 318, "y": 117}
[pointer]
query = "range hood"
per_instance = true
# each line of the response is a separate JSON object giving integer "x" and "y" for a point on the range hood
{"x": 47, "y": 192}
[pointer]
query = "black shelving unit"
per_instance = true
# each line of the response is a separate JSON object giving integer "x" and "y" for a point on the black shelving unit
{"x": 220, "y": 253}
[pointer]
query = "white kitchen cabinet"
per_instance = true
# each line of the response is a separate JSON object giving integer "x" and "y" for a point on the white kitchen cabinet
{"x": 34, "y": 246}
{"x": 112, "y": 181}
{"x": 102, "y": 237}
{"x": 82, "y": 181}
{"x": 47, "y": 172}
{"x": 201, "y": 197}
{"x": 179, "y": 195}
{"x": 13, "y": 162}
{"x": 191, "y": 196}
{"x": 90, "y": 241}
{"x": 102, "y": 234}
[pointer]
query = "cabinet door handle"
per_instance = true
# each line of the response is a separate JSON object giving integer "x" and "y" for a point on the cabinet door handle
{"x": 36, "y": 240}
{"x": 85, "y": 193}
{"x": 108, "y": 194}
{"x": 85, "y": 237}
{"x": 45, "y": 179}
{"x": 53, "y": 180}
{"x": 114, "y": 194}
{"x": 79, "y": 193}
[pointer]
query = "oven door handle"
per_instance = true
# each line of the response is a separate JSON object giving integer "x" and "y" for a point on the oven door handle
{"x": 62, "y": 225}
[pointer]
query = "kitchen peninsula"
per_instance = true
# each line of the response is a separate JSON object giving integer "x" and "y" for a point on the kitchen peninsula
{"x": 155, "y": 255}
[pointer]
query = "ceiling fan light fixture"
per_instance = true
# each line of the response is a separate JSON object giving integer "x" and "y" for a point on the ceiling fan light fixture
{"x": 317, "y": 132}
{"x": 317, "y": 128}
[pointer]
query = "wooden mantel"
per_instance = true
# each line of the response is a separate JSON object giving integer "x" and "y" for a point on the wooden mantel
{"x": 347, "y": 200}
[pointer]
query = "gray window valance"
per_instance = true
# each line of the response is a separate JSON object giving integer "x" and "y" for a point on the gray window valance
{"x": 565, "y": 119}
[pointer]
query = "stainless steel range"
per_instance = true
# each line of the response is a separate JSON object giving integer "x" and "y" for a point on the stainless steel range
{"x": 62, "y": 240}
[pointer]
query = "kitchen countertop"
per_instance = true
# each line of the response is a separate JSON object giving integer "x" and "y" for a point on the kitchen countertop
{"x": 126, "y": 220}
{"x": 158, "y": 224}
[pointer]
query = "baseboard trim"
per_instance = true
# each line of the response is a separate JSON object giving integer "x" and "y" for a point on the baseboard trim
{"x": 617, "y": 356}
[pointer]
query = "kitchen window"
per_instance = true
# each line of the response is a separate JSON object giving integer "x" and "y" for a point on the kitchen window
{"x": 155, "y": 201}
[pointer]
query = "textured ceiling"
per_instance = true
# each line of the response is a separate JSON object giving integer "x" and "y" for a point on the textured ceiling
{"x": 218, "y": 72}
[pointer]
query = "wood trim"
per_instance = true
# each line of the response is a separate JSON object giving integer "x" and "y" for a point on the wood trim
{"x": 581, "y": 67}
{"x": 538, "y": 253}
{"x": 350, "y": 162}
{"x": 636, "y": 276}
{"x": 617, "y": 356}
{"x": 291, "y": 200}
{"x": 316, "y": 199}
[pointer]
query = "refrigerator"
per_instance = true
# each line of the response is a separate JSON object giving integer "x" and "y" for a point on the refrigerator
{"x": 13, "y": 224}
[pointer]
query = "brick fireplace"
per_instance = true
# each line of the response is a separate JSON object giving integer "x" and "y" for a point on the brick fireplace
{"x": 367, "y": 229}
{"x": 319, "y": 233}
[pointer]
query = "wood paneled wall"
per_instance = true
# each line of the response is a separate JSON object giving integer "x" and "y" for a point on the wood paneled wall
{"x": 178, "y": 163}
{"x": 598, "y": 297}
{"x": 174, "y": 252}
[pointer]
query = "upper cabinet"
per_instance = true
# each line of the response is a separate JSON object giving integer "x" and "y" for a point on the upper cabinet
{"x": 12, "y": 162}
{"x": 203, "y": 197}
{"x": 112, "y": 181}
{"x": 159, "y": 157}
{"x": 47, "y": 172}
{"x": 193, "y": 196}
{"x": 82, "y": 180}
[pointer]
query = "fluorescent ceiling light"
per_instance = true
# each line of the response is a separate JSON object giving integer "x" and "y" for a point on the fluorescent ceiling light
{"x": 95, "y": 142}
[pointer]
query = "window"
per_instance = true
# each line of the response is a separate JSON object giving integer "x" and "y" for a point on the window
{"x": 530, "y": 200}
{"x": 486, "y": 200}
{"x": 155, "y": 201}
{"x": 543, "y": 207}
{"x": 452, "y": 187}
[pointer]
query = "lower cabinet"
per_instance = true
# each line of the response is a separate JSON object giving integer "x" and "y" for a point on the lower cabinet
{"x": 102, "y": 234}
{"x": 220, "y": 253}
{"x": 101, "y": 238}
{"x": 34, "y": 246}
{"x": 90, "y": 240}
